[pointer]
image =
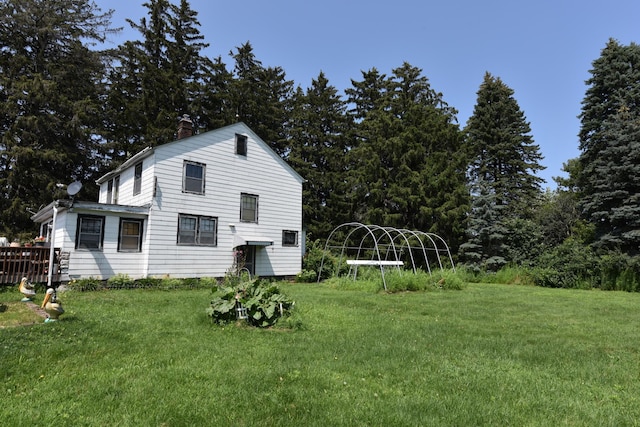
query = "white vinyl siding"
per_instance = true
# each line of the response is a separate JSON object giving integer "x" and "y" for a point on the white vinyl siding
{"x": 263, "y": 173}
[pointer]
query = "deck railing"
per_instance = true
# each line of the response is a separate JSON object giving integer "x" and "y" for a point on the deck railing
{"x": 29, "y": 262}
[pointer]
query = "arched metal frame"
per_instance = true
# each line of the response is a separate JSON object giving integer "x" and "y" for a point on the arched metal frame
{"x": 392, "y": 241}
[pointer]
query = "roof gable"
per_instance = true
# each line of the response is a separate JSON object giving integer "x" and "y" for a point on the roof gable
{"x": 236, "y": 128}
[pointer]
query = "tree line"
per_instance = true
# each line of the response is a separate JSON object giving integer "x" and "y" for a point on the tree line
{"x": 387, "y": 151}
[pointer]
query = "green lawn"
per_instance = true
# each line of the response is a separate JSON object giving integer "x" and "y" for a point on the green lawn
{"x": 486, "y": 355}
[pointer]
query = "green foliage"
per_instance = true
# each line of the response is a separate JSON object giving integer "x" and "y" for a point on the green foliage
{"x": 86, "y": 284}
{"x": 306, "y": 276}
{"x": 262, "y": 300}
{"x": 369, "y": 279}
{"x": 570, "y": 265}
{"x": 610, "y": 148}
{"x": 317, "y": 258}
{"x": 51, "y": 89}
{"x": 407, "y": 169}
{"x": 120, "y": 281}
{"x": 619, "y": 272}
{"x": 320, "y": 131}
{"x": 503, "y": 161}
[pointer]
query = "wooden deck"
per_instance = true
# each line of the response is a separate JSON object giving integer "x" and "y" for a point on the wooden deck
{"x": 29, "y": 262}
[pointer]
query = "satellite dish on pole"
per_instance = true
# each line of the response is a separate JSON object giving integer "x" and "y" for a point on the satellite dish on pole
{"x": 74, "y": 188}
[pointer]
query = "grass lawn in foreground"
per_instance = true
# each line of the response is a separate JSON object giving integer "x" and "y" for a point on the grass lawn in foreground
{"x": 485, "y": 355}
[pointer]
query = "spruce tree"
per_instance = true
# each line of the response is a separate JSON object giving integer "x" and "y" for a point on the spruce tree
{"x": 610, "y": 148}
{"x": 51, "y": 89}
{"x": 407, "y": 168}
{"x": 504, "y": 159}
{"x": 156, "y": 80}
{"x": 260, "y": 97}
{"x": 319, "y": 130}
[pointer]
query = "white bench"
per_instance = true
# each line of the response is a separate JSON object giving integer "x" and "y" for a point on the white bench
{"x": 354, "y": 263}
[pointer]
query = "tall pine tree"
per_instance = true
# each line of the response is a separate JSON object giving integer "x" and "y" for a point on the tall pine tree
{"x": 610, "y": 148}
{"x": 51, "y": 89}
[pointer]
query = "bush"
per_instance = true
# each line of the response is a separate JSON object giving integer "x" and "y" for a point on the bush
{"x": 307, "y": 276}
{"x": 120, "y": 281}
{"x": 318, "y": 260}
{"x": 88, "y": 284}
{"x": 262, "y": 300}
{"x": 569, "y": 265}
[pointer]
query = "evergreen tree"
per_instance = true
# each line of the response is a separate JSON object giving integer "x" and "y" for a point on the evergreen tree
{"x": 261, "y": 98}
{"x": 407, "y": 168}
{"x": 319, "y": 130}
{"x": 610, "y": 148}
{"x": 51, "y": 88}
{"x": 503, "y": 157}
{"x": 486, "y": 247}
{"x": 158, "y": 79}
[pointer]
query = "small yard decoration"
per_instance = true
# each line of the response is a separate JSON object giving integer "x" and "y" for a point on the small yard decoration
{"x": 256, "y": 301}
{"x": 52, "y": 305}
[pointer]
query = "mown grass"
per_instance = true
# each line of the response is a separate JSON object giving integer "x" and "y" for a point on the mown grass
{"x": 486, "y": 355}
{"x": 16, "y": 313}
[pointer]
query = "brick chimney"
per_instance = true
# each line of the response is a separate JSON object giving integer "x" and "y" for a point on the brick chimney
{"x": 185, "y": 127}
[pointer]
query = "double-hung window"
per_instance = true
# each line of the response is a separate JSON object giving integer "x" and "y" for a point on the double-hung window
{"x": 197, "y": 230}
{"x": 248, "y": 207}
{"x": 90, "y": 232}
{"x": 130, "y": 239}
{"x": 113, "y": 186}
{"x": 137, "y": 179}
{"x": 193, "y": 177}
{"x": 116, "y": 189}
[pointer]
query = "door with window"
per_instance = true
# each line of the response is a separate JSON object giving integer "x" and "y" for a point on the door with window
{"x": 248, "y": 261}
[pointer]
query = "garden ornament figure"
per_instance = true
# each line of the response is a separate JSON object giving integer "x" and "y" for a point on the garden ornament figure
{"x": 27, "y": 289}
{"x": 52, "y": 306}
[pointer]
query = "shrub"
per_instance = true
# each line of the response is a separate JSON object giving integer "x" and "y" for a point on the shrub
{"x": 307, "y": 276}
{"x": 120, "y": 281}
{"x": 316, "y": 257}
{"x": 148, "y": 283}
{"x": 569, "y": 265}
{"x": 86, "y": 284}
{"x": 262, "y": 300}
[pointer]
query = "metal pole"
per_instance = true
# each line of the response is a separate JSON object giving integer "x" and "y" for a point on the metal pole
{"x": 52, "y": 242}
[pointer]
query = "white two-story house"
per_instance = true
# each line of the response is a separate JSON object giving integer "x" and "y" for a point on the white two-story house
{"x": 189, "y": 208}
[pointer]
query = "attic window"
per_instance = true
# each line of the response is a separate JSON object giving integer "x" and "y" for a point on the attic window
{"x": 241, "y": 144}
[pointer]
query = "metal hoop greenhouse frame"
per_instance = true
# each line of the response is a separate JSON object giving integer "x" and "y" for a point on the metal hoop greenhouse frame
{"x": 388, "y": 246}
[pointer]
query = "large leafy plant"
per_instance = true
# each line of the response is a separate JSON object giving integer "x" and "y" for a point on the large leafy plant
{"x": 260, "y": 301}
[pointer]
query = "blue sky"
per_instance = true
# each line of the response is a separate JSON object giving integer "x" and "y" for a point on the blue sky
{"x": 541, "y": 49}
